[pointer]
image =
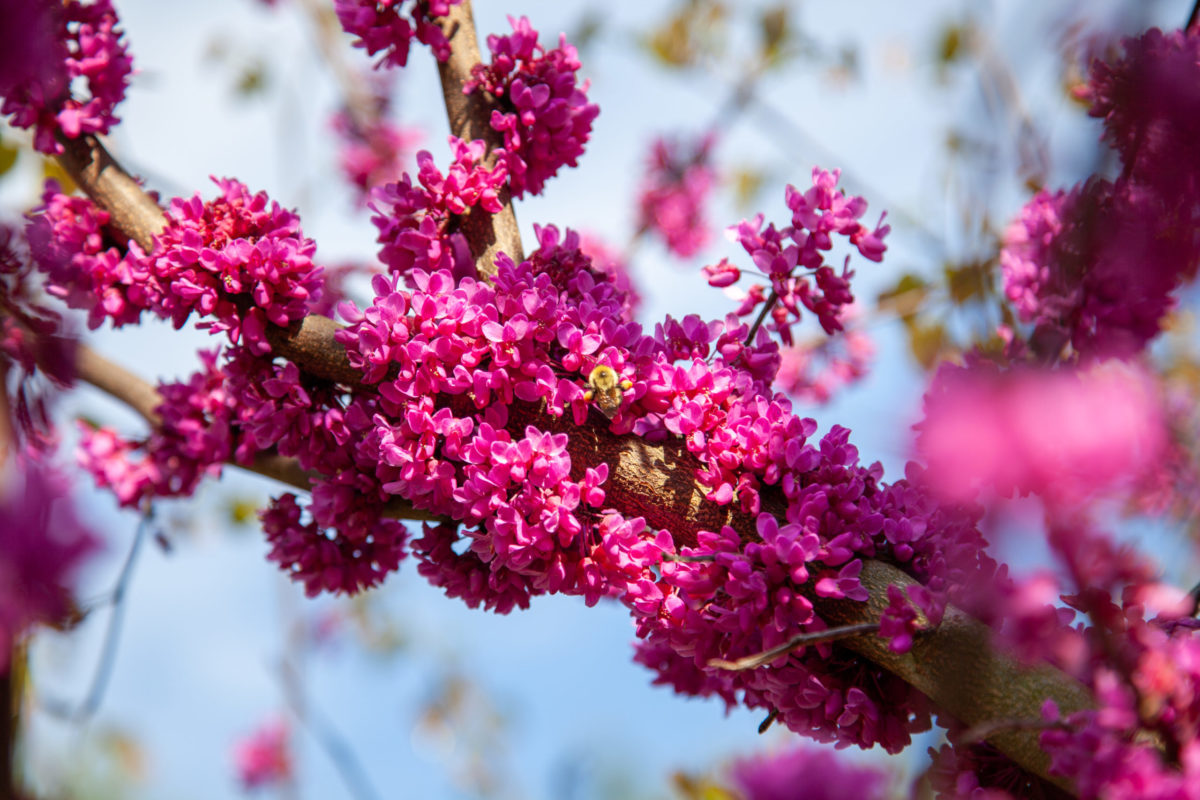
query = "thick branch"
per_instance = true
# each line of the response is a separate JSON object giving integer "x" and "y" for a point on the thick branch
{"x": 470, "y": 115}
{"x": 133, "y": 214}
{"x": 142, "y": 397}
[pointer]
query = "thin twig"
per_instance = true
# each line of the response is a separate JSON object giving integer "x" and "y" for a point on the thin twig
{"x": 707, "y": 559}
{"x": 335, "y": 746}
{"x": 770, "y": 303}
{"x": 112, "y": 636}
{"x": 1194, "y": 17}
{"x": 816, "y": 637}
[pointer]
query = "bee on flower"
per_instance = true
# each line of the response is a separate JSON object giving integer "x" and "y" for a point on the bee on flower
{"x": 606, "y": 389}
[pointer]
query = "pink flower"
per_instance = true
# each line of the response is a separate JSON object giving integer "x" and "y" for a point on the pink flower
{"x": 264, "y": 758}
{"x": 373, "y": 153}
{"x": 380, "y": 27}
{"x": 1065, "y": 435}
{"x": 42, "y": 546}
{"x": 674, "y": 191}
{"x": 543, "y": 111}
{"x": 807, "y": 773}
{"x": 37, "y": 93}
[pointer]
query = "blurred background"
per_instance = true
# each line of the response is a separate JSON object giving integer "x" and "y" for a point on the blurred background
{"x": 945, "y": 114}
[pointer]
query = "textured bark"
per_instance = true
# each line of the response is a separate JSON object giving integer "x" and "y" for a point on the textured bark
{"x": 469, "y": 115}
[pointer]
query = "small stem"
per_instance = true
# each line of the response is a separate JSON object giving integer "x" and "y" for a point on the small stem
{"x": 985, "y": 730}
{"x": 336, "y": 748}
{"x": 767, "y": 306}
{"x": 689, "y": 559}
{"x": 815, "y": 637}
{"x": 1193, "y": 17}
{"x": 112, "y": 636}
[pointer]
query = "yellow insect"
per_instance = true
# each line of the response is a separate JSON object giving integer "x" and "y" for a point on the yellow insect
{"x": 605, "y": 387}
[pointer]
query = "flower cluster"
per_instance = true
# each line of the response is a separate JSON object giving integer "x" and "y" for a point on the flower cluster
{"x": 239, "y": 259}
{"x": 264, "y": 758}
{"x": 192, "y": 440}
{"x": 33, "y": 340}
{"x": 806, "y": 773}
{"x": 470, "y": 378}
{"x": 418, "y": 225}
{"x": 813, "y": 371}
{"x": 1067, "y": 436}
{"x": 674, "y": 192}
{"x": 67, "y": 45}
{"x": 1095, "y": 267}
{"x": 543, "y": 111}
{"x": 42, "y": 545}
{"x": 381, "y": 27}
{"x": 793, "y": 258}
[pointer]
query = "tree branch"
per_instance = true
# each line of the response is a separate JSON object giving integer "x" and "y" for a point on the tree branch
{"x": 470, "y": 118}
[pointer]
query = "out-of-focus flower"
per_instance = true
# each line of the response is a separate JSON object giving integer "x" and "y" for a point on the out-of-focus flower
{"x": 671, "y": 202}
{"x": 807, "y": 773}
{"x": 58, "y": 47}
{"x": 1066, "y": 436}
{"x": 372, "y": 152}
{"x": 264, "y": 757}
{"x": 814, "y": 371}
{"x": 612, "y": 264}
{"x": 42, "y": 545}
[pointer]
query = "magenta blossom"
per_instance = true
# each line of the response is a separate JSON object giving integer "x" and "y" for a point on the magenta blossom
{"x": 1066, "y": 436}
{"x": 807, "y": 773}
{"x": 264, "y": 757}
{"x": 86, "y": 51}
{"x": 382, "y": 27}
{"x": 543, "y": 112}
{"x": 674, "y": 192}
{"x": 42, "y": 546}
{"x": 372, "y": 153}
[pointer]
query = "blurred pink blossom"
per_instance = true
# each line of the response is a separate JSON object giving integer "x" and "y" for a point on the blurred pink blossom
{"x": 264, "y": 757}
{"x": 807, "y": 773}
{"x": 42, "y": 544}
{"x": 1066, "y": 435}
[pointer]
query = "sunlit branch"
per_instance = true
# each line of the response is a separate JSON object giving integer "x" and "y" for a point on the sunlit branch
{"x": 143, "y": 398}
{"x": 470, "y": 118}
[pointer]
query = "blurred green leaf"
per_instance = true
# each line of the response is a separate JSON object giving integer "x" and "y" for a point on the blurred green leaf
{"x": 52, "y": 170}
{"x": 969, "y": 281}
{"x": 8, "y": 156}
{"x": 587, "y": 30}
{"x": 694, "y": 31}
{"x": 950, "y": 45}
{"x": 242, "y": 510}
{"x": 252, "y": 81}
{"x": 927, "y": 343}
{"x": 691, "y": 787}
{"x": 905, "y": 298}
{"x": 747, "y": 183}
{"x": 774, "y": 32}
